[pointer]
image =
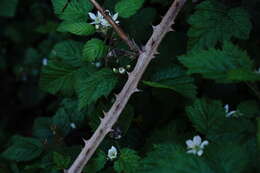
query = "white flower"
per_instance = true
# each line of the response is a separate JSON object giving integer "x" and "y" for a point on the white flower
{"x": 98, "y": 64}
{"x": 99, "y": 20}
{"x": 105, "y": 23}
{"x": 96, "y": 19}
{"x": 44, "y": 61}
{"x": 112, "y": 153}
{"x": 73, "y": 125}
{"x": 229, "y": 113}
{"x": 257, "y": 71}
{"x": 121, "y": 70}
{"x": 196, "y": 146}
{"x": 115, "y": 70}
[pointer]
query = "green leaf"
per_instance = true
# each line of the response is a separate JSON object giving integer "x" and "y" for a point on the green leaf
{"x": 169, "y": 158}
{"x": 249, "y": 108}
{"x": 59, "y": 77}
{"x": 67, "y": 115}
{"x": 96, "y": 163}
{"x": 224, "y": 65}
{"x": 23, "y": 149}
{"x": 231, "y": 157}
{"x": 206, "y": 115}
{"x": 42, "y": 128}
{"x": 174, "y": 78}
{"x": 72, "y": 10}
{"x": 77, "y": 28}
{"x": 94, "y": 49}
{"x": 127, "y": 8}
{"x": 8, "y": 7}
{"x": 98, "y": 84}
{"x": 209, "y": 118}
{"x": 61, "y": 162}
{"x": 128, "y": 161}
{"x": 213, "y": 22}
{"x": 69, "y": 52}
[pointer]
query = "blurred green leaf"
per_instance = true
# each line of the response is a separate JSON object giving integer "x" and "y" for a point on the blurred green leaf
{"x": 127, "y": 8}
{"x": 8, "y": 7}
{"x": 23, "y": 149}
{"x": 174, "y": 78}
{"x": 128, "y": 161}
{"x": 94, "y": 49}
{"x": 222, "y": 23}
{"x": 98, "y": 84}
{"x": 77, "y": 28}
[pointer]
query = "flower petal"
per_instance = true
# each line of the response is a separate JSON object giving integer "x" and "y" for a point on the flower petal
{"x": 226, "y": 107}
{"x": 197, "y": 140}
{"x": 229, "y": 114}
{"x": 191, "y": 151}
{"x": 100, "y": 15}
{"x": 115, "y": 16}
{"x": 200, "y": 152}
{"x": 92, "y": 16}
{"x": 204, "y": 143}
{"x": 189, "y": 143}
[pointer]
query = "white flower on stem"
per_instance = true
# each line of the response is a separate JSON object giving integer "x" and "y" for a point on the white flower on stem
{"x": 112, "y": 153}
{"x": 96, "y": 19}
{"x": 115, "y": 70}
{"x": 44, "y": 61}
{"x": 196, "y": 146}
{"x": 99, "y": 20}
{"x": 257, "y": 71}
{"x": 105, "y": 23}
{"x": 73, "y": 125}
{"x": 229, "y": 113}
{"x": 121, "y": 70}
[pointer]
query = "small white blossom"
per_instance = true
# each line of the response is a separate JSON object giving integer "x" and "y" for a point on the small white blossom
{"x": 44, "y": 61}
{"x": 112, "y": 153}
{"x": 73, "y": 125}
{"x": 121, "y": 70}
{"x": 229, "y": 113}
{"x": 96, "y": 19}
{"x": 98, "y": 64}
{"x": 115, "y": 70}
{"x": 128, "y": 66}
{"x": 196, "y": 146}
{"x": 257, "y": 71}
{"x": 99, "y": 20}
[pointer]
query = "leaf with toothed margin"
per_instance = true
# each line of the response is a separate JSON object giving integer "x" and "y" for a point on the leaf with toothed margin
{"x": 214, "y": 22}
{"x": 98, "y": 84}
{"x": 96, "y": 163}
{"x": 174, "y": 78}
{"x": 127, "y": 8}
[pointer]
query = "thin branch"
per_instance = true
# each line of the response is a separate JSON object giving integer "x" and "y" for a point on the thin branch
{"x": 110, "y": 118}
{"x": 118, "y": 29}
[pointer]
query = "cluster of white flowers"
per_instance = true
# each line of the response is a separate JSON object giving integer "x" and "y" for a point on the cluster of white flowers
{"x": 229, "y": 113}
{"x": 100, "y": 21}
{"x": 122, "y": 70}
{"x": 196, "y": 146}
{"x": 112, "y": 153}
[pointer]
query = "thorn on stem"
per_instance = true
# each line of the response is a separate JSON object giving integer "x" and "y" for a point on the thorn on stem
{"x": 85, "y": 141}
{"x": 137, "y": 90}
{"x": 105, "y": 113}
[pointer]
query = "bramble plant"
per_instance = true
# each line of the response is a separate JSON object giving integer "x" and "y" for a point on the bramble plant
{"x": 130, "y": 86}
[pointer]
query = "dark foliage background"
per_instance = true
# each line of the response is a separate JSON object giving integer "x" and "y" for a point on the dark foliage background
{"x": 28, "y": 35}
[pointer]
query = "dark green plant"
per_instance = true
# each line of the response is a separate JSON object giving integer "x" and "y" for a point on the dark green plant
{"x": 196, "y": 108}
